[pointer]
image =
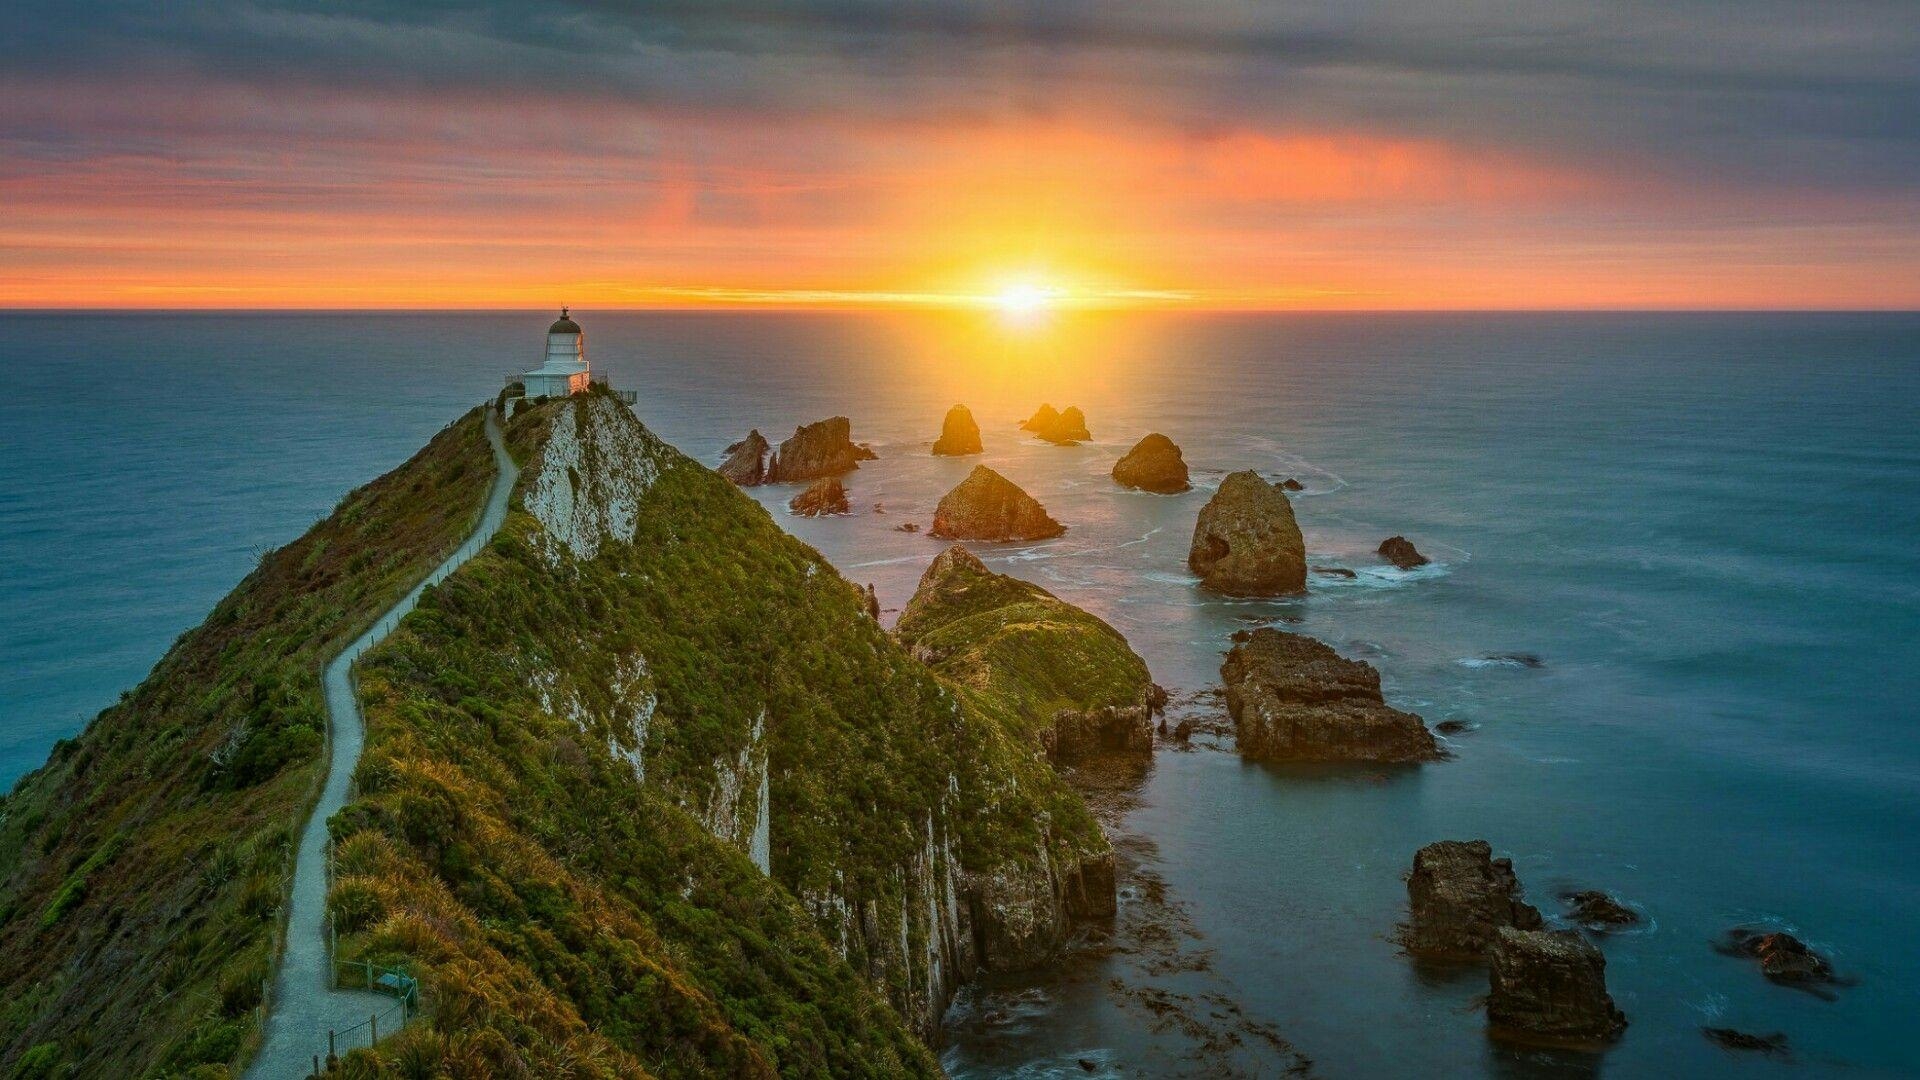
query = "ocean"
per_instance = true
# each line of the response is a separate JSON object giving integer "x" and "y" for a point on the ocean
{"x": 1703, "y": 526}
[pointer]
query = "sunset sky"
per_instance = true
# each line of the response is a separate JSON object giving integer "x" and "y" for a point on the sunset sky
{"x": 1353, "y": 154}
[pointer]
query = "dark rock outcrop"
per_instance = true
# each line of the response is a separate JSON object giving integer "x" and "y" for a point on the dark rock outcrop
{"x": 1460, "y": 897}
{"x": 1154, "y": 464}
{"x": 988, "y": 506}
{"x": 1727, "y": 1038}
{"x": 1550, "y": 985}
{"x": 1065, "y": 428}
{"x": 823, "y": 448}
{"x": 1294, "y": 699}
{"x": 1290, "y": 484}
{"x": 1598, "y": 911}
{"x": 906, "y": 527}
{"x": 1783, "y": 958}
{"x": 1400, "y": 551}
{"x": 1246, "y": 542}
{"x": 1336, "y": 572}
{"x": 958, "y": 434}
{"x": 823, "y": 496}
{"x": 746, "y": 462}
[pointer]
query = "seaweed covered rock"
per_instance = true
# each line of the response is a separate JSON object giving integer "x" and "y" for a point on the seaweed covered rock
{"x": 959, "y": 435}
{"x": 1400, "y": 551}
{"x": 988, "y": 506}
{"x": 1294, "y": 699}
{"x": 1065, "y": 428}
{"x": 746, "y": 462}
{"x": 1154, "y": 464}
{"x": 822, "y": 448}
{"x": 1550, "y": 985}
{"x": 1056, "y": 673}
{"x": 823, "y": 496}
{"x": 1246, "y": 542}
{"x": 1460, "y": 897}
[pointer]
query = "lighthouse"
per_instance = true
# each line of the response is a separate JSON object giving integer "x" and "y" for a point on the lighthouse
{"x": 563, "y": 370}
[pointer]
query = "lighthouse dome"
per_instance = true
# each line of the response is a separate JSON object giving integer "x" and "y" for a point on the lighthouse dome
{"x": 564, "y": 325}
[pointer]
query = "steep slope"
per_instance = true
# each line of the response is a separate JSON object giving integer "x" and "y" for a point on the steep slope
{"x": 142, "y": 869}
{"x": 646, "y": 790}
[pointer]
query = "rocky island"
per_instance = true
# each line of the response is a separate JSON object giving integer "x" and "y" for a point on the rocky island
{"x": 1550, "y": 986}
{"x": 1064, "y": 428}
{"x": 1154, "y": 464}
{"x": 1460, "y": 897}
{"x": 1246, "y": 542}
{"x": 824, "y": 496}
{"x": 1294, "y": 699}
{"x": 988, "y": 506}
{"x": 959, "y": 435}
{"x": 822, "y": 448}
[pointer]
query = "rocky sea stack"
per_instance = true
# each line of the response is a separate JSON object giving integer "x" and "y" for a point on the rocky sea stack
{"x": 1400, "y": 551}
{"x": 1246, "y": 542}
{"x": 959, "y": 435}
{"x": 1065, "y": 428}
{"x": 746, "y": 462}
{"x": 1154, "y": 464}
{"x": 823, "y": 496}
{"x": 988, "y": 506}
{"x": 1460, "y": 898}
{"x": 1069, "y": 680}
{"x": 1294, "y": 699}
{"x": 822, "y": 448}
{"x": 1550, "y": 986}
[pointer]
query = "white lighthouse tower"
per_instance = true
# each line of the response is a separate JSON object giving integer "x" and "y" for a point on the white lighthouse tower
{"x": 564, "y": 369}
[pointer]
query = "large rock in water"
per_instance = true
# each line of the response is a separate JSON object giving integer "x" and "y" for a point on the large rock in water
{"x": 1550, "y": 985}
{"x": 1154, "y": 464}
{"x": 988, "y": 506}
{"x": 1246, "y": 542}
{"x": 823, "y": 496}
{"x": 1400, "y": 551}
{"x": 1294, "y": 699}
{"x": 1066, "y": 427}
{"x": 746, "y": 462}
{"x": 823, "y": 448}
{"x": 958, "y": 434}
{"x": 1461, "y": 897}
{"x": 1060, "y": 675}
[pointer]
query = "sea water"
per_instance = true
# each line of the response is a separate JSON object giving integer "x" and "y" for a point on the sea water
{"x": 1702, "y": 526}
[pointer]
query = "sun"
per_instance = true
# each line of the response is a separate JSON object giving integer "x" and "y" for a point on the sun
{"x": 1023, "y": 301}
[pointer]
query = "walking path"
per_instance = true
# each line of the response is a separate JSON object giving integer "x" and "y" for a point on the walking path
{"x": 305, "y": 1005}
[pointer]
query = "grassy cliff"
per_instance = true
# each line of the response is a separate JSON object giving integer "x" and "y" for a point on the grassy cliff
{"x": 142, "y": 868}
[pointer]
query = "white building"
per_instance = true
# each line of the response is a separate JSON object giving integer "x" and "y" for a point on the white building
{"x": 564, "y": 369}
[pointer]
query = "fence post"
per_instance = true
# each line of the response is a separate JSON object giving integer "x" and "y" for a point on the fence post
{"x": 330, "y": 1047}
{"x": 373, "y": 1028}
{"x": 316, "y": 1067}
{"x": 369, "y": 974}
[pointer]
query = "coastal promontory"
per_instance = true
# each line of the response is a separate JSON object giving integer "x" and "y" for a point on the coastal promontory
{"x": 959, "y": 435}
{"x": 988, "y": 506}
{"x": 1154, "y": 464}
{"x": 1246, "y": 542}
{"x": 1294, "y": 699}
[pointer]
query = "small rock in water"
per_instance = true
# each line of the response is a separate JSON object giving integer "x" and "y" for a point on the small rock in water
{"x": 1400, "y": 551}
{"x": 1335, "y": 571}
{"x": 1088, "y": 1064}
{"x": 906, "y": 526}
{"x": 1596, "y": 910}
{"x": 1783, "y": 958}
{"x": 1734, "y": 1039}
{"x": 1515, "y": 659}
{"x": 959, "y": 435}
{"x": 1290, "y": 484}
{"x": 823, "y": 496}
{"x": 1452, "y": 727}
{"x": 1154, "y": 464}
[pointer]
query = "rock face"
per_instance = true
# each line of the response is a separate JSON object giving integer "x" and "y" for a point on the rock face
{"x": 1550, "y": 985}
{"x": 958, "y": 434}
{"x": 1154, "y": 464}
{"x": 823, "y": 496}
{"x": 1246, "y": 542}
{"x": 746, "y": 462}
{"x": 1061, "y": 675}
{"x": 1460, "y": 897}
{"x": 1598, "y": 911}
{"x": 1734, "y": 1039}
{"x": 1400, "y": 551}
{"x": 1065, "y": 428}
{"x": 988, "y": 506}
{"x": 1783, "y": 958}
{"x": 1294, "y": 699}
{"x": 824, "y": 448}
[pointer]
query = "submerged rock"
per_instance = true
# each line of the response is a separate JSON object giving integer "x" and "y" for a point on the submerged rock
{"x": 1783, "y": 958}
{"x": 1460, "y": 897}
{"x": 906, "y": 527}
{"x": 1290, "y": 484}
{"x": 823, "y": 496}
{"x": 1294, "y": 699}
{"x": 1598, "y": 911}
{"x": 1550, "y": 985}
{"x": 1246, "y": 542}
{"x": 1154, "y": 464}
{"x": 1452, "y": 727}
{"x": 958, "y": 434}
{"x": 988, "y": 506}
{"x": 1065, "y": 428}
{"x": 746, "y": 462}
{"x": 1733, "y": 1039}
{"x": 823, "y": 448}
{"x": 1336, "y": 572}
{"x": 1400, "y": 551}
